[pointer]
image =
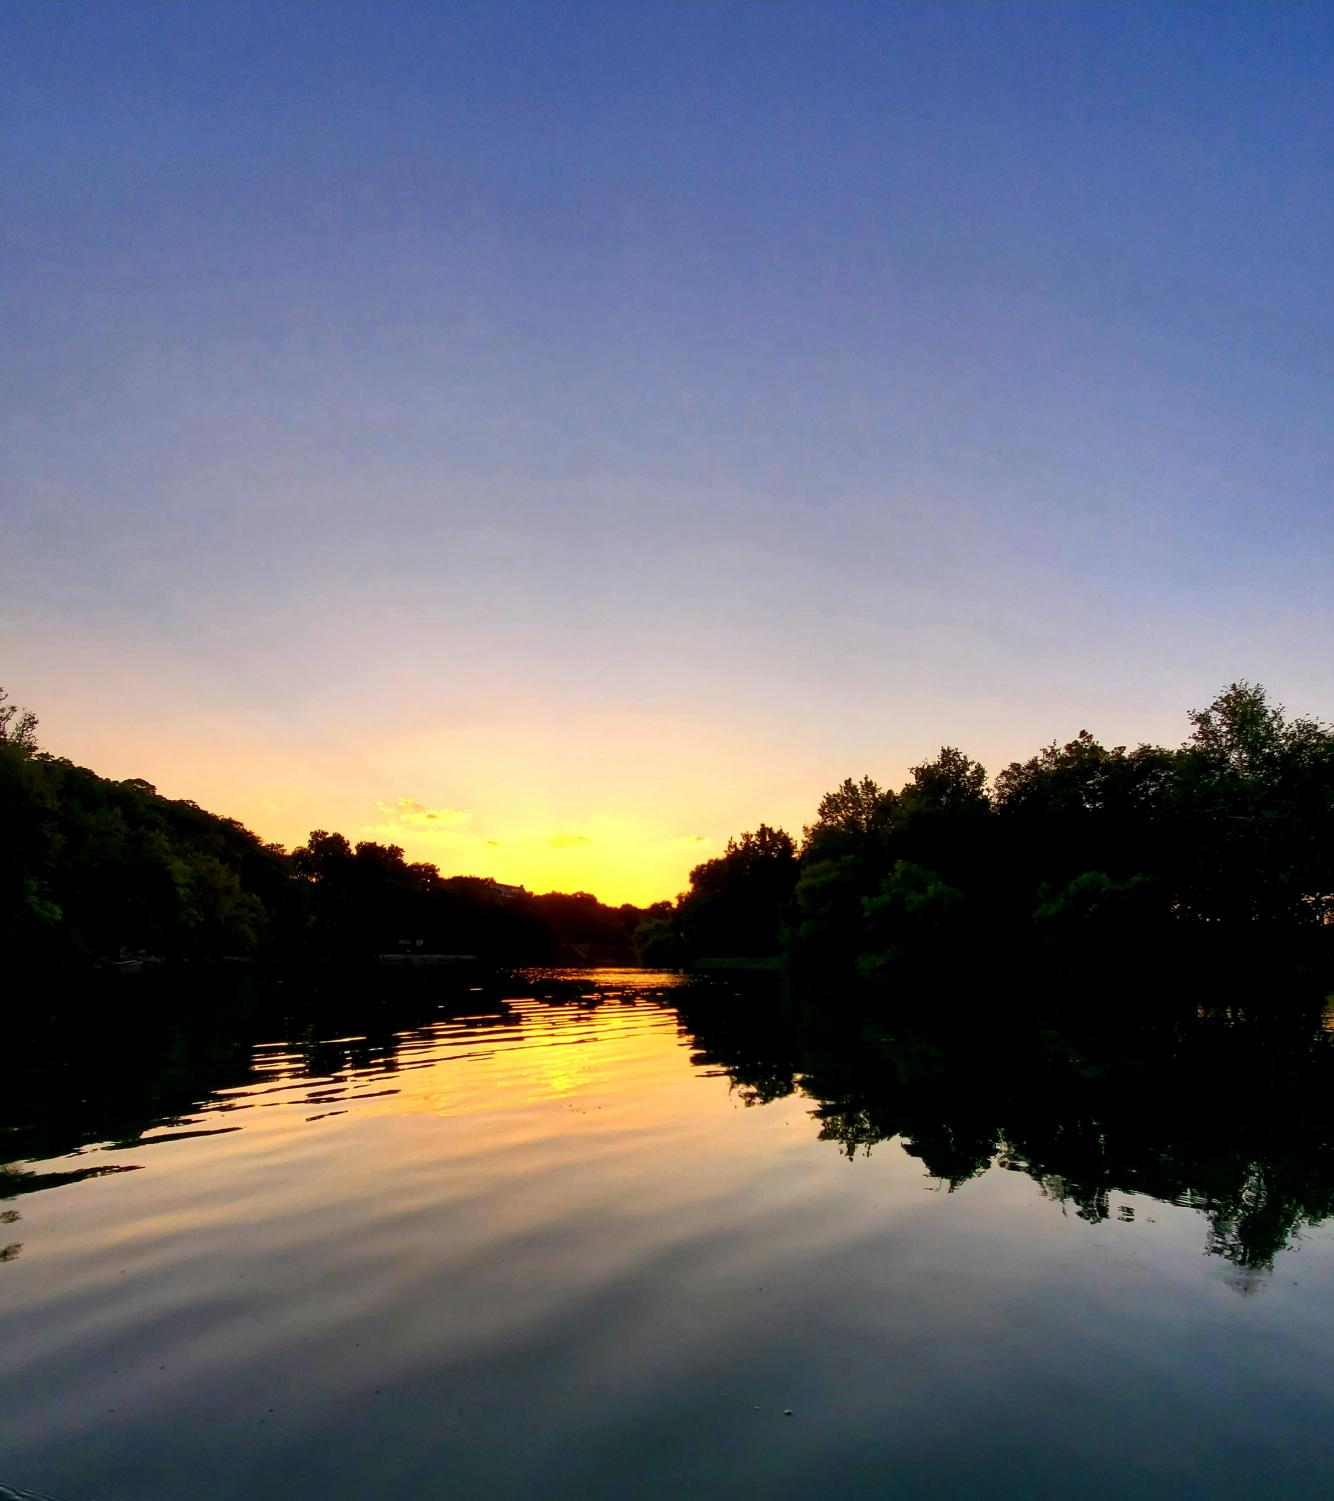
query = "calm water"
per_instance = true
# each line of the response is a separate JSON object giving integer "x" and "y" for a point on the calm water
{"x": 575, "y": 1238}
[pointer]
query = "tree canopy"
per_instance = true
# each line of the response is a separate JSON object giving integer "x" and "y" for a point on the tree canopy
{"x": 1081, "y": 844}
{"x": 94, "y": 870}
{"x": 1080, "y": 848}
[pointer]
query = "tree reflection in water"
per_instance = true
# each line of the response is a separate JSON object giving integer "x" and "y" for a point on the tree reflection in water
{"x": 1226, "y": 1108}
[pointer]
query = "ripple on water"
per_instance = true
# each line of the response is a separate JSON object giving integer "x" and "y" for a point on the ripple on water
{"x": 541, "y": 1243}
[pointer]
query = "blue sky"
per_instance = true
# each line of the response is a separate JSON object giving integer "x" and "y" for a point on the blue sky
{"x": 616, "y": 423}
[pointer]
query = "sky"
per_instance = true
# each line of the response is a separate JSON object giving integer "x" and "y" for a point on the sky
{"x": 554, "y": 438}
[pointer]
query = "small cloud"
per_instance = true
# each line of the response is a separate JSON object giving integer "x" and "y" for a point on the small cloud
{"x": 495, "y": 844}
{"x": 409, "y": 811}
{"x": 565, "y": 841}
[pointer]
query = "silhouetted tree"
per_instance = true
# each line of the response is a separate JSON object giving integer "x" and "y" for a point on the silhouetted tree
{"x": 95, "y": 870}
{"x": 18, "y": 727}
{"x": 736, "y": 903}
{"x": 1082, "y": 853}
{"x": 854, "y": 816}
{"x": 1253, "y": 803}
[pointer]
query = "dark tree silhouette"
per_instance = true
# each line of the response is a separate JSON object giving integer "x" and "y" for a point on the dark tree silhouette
{"x": 96, "y": 871}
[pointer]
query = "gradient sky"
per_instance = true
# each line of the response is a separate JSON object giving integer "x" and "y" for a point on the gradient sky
{"x": 604, "y": 427}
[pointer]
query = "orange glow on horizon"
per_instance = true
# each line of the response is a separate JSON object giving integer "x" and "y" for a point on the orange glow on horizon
{"x": 529, "y": 789}
{"x": 519, "y": 797}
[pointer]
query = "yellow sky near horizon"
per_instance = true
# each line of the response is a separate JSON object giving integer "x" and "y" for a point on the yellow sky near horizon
{"x": 545, "y": 786}
{"x": 624, "y": 807}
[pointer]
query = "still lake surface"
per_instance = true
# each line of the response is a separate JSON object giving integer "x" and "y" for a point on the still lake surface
{"x": 552, "y": 1239}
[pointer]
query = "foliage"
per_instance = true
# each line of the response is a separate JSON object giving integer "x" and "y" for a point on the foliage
{"x": 1080, "y": 845}
{"x": 18, "y": 728}
{"x": 852, "y": 817}
{"x": 93, "y": 870}
{"x": 736, "y": 904}
{"x": 913, "y": 915}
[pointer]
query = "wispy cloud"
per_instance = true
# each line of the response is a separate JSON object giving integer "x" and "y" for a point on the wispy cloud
{"x": 408, "y": 810}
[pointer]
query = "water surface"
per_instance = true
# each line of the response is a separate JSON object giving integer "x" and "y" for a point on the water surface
{"x": 613, "y": 1234}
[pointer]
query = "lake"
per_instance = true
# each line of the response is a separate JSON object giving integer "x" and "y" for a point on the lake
{"x": 621, "y": 1234}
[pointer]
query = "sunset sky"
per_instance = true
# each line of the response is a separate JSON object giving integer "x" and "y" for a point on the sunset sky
{"x": 554, "y": 438}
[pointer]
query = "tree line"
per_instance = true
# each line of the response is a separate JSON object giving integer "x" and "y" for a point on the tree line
{"x": 94, "y": 870}
{"x": 1082, "y": 849}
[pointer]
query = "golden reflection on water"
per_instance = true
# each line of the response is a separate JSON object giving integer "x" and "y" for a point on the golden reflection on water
{"x": 513, "y": 1249}
{"x": 523, "y": 1060}
{"x": 539, "y": 1054}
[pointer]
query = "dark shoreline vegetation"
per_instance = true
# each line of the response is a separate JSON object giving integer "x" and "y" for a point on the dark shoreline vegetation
{"x": 98, "y": 872}
{"x": 1084, "y": 856}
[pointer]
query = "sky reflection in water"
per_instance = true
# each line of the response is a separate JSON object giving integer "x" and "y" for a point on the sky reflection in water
{"x": 538, "y": 1245}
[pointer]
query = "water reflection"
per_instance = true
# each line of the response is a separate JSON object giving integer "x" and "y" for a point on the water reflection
{"x": 1225, "y": 1108}
{"x": 123, "y": 1068}
{"x": 570, "y": 1234}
